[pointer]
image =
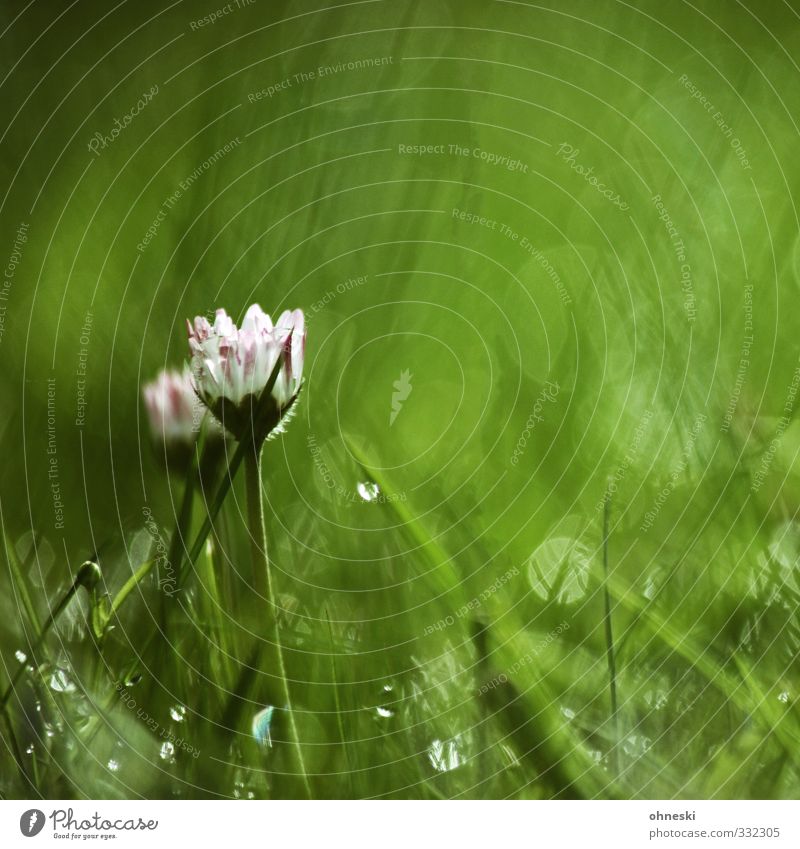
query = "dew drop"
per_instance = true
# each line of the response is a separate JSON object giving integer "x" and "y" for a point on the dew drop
{"x": 60, "y": 681}
{"x": 445, "y": 755}
{"x": 368, "y": 490}
{"x": 177, "y": 712}
{"x": 560, "y": 565}
{"x": 167, "y": 752}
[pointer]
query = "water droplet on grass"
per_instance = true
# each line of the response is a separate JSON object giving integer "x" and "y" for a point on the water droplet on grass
{"x": 61, "y": 682}
{"x": 560, "y": 568}
{"x": 445, "y": 755}
{"x": 177, "y": 712}
{"x": 167, "y": 752}
{"x": 368, "y": 490}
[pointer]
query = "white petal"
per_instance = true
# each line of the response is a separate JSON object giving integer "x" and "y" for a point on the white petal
{"x": 256, "y": 320}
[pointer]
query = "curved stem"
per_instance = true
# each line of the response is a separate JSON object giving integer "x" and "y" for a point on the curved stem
{"x": 129, "y": 586}
{"x": 258, "y": 534}
{"x": 262, "y": 583}
{"x": 179, "y": 541}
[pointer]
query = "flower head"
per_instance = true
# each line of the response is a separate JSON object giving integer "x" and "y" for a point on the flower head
{"x": 232, "y": 365}
{"x": 173, "y": 408}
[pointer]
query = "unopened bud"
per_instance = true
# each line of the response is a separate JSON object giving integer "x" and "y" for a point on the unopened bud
{"x": 89, "y": 575}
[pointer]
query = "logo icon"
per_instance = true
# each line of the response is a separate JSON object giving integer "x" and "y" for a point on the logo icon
{"x": 402, "y": 388}
{"x": 31, "y": 822}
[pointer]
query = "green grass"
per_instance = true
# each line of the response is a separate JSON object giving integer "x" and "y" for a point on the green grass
{"x": 450, "y": 589}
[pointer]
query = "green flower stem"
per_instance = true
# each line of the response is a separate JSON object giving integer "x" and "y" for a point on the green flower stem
{"x": 180, "y": 536}
{"x": 129, "y": 586}
{"x": 255, "y": 521}
{"x": 262, "y": 582}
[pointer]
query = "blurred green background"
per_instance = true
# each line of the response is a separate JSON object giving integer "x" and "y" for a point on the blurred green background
{"x": 574, "y": 225}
